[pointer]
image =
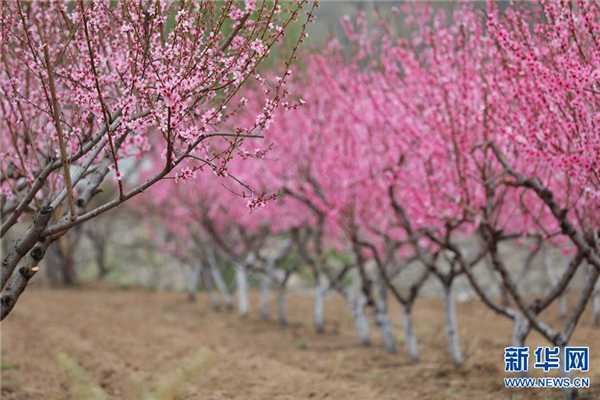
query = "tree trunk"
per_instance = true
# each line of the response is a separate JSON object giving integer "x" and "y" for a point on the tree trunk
{"x": 362, "y": 324}
{"x": 318, "y": 307}
{"x": 562, "y": 306}
{"x": 520, "y": 331}
{"x": 282, "y": 307}
{"x": 452, "y": 327}
{"x": 217, "y": 277}
{"x": 191, "y": 280}
{"x": 269, "y": 276}
{"x": 53, "y": 265}
{"x": 67, "y": 245}
{"x": 215, "y": 303}
{"x": 383, "y": 320}
{"x": 387, "y": 331}
{"x": 570, "y": 393}
{"x": 410, "y": 338}
{"x": 101, "y": 264}
{"x": 505, "y": 297}
{"x": 241, "y": 280}
{"x": 60, "y": 262}
{"x": 265, "y": 292}
{"x": 69, "y": 274}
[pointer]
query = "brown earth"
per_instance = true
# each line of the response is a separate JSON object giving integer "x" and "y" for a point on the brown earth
{"x": 99, "y": 342}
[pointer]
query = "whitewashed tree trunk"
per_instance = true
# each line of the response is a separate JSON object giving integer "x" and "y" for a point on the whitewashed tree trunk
{"x": 569, "y": 393}
{"x": 358, "y": 305}
{"x": 241, "y": 280}
{"x": 410, "y": 338}
{"x": 217, "y": 277}
{"x": 562, "y": 306}
{"x": 265, "y": 293}
{"x": 215, "y": 303}
{"x": 281, "y": 299}
{"x": 595, "y": 297}
{"x": 384, "y": 321}
{"x": 319, "y": 307}
{"x": 387, "y": 332}
{"x": 452, "y": 327}
{"x": 520, "y": 330}
{"x": 281, "y": 306}
{"x": 267, "y": 279}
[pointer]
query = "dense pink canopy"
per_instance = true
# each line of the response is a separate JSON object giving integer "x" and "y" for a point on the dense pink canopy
{"x": 417, "y": 114}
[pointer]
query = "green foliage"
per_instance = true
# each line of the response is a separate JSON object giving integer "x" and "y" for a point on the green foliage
{"x": 5, "y": 367}
{"x": 337, "y": 257}
{"x": 254, "y": 280}
{"x": 347, "y": 281}
{"x": 289, "y": 260}
{"x": 228, "y": 276}
{"x": 306, "y": 275}
{"x": 303, "y": 345}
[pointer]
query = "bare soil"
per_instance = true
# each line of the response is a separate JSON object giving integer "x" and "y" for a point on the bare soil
{"x": 100, "y": 342}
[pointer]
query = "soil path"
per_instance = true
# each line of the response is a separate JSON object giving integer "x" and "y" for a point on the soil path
{"x": 108, "y": 343}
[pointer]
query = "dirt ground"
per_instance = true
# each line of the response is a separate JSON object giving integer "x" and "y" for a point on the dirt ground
{"x": 99, "y": 342}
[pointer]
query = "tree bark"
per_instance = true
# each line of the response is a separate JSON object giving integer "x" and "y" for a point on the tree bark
{"x": 52, "y": 266}
{"x": 101, "y": 264}
{"x": 520, "y": 331}
{"x": 452, "y": 326}
{"x": 269, "y": 276}
{"x": 384, "y": 321}
{"x": 387, "y": 332}
{"x": 319, "y": 307}
{"x": 241, "y": 280}
{"x": 60, "y": 259}
{"x": 358, "y": 305}
{"x": 282, "y": 307}
{"x": 563, "y": 309}
{"x": 11, "y": 293}
{"x": 265, "y": 292}
{"x": 410, "y": 338}
{"x": 215, "y": 273}
{"x": 570, "y": 393}
{"x": 215, "y": 303}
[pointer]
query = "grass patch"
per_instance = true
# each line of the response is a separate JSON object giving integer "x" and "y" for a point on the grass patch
{"x": 83, "y": 387}
{"x": 172, "y": 384}
{"x": 302, "y": 346}
{"x": 452, "y": 391}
